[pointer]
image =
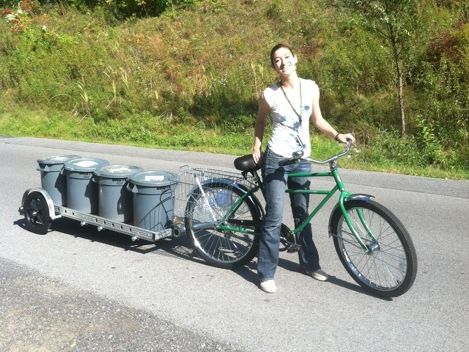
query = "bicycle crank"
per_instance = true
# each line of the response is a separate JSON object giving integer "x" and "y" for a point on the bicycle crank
{"x": 288, "y": 240}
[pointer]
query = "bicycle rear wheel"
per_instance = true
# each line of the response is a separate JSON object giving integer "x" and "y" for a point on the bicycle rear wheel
{"x": 225, "y": 244}
{"x": 389, "y": 266}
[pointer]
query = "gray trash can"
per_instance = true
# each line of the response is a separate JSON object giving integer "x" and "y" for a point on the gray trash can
{"x": 115, "y": 200}
{"x": 53, "y": 181}
{"x": 153, "y": 199}
{"x": 82, "y": 191}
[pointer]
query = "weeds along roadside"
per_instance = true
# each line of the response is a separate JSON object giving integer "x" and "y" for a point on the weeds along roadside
{"x": 147, "y": 131}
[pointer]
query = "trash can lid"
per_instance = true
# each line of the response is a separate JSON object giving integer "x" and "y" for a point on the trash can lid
{"x": 57, "y": 159}
{"x": 85, "y": 164}
{"x": 154, "y": 178}
{"x": 117, "y": 171}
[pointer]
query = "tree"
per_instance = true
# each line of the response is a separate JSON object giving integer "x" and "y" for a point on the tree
{"x": 391, "y": 20}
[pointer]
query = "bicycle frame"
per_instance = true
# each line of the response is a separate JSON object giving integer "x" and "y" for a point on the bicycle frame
{"x": 339, "y": 186}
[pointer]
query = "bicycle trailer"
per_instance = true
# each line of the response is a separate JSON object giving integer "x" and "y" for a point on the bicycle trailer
{"x": 120, "y": 198}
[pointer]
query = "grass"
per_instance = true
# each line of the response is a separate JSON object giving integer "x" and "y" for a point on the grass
{"x": 160, "y": 132}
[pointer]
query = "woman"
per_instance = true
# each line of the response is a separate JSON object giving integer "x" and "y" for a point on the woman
{"x": 292, "y": 103}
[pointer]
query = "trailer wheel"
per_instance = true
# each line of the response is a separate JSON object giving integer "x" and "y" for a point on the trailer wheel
{"x": 36, "y": 213}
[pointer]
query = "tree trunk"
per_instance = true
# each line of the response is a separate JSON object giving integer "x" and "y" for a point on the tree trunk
{"x": 399, "y": 78}
{"x": 400, "y": 95}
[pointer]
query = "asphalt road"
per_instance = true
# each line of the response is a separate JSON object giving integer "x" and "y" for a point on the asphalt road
{"x": 76, "y": 289}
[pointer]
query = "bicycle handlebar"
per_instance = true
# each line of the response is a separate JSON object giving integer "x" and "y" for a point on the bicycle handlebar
{"x": 345, "y": 151}
{"x": 297, "y": 158}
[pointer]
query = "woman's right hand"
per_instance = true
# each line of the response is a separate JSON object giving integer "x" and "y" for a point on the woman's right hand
{"x": 256, "y": 154}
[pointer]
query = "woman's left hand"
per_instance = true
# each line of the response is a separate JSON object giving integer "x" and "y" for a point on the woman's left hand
{"x": 344, "y": 138}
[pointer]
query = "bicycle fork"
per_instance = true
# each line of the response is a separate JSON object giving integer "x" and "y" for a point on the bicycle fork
{"x": 344, "y": 196}
{"x": 354, "y": 228}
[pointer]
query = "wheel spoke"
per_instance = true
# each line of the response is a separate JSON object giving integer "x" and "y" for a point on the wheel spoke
{"x": 216, "y": 245}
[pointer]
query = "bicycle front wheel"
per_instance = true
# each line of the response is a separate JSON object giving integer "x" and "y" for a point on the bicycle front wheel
{"x": 389, "y": 265}
{"x": 223, "y": 227}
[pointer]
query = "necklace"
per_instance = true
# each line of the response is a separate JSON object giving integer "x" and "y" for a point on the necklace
{"x": 291, "y": 105}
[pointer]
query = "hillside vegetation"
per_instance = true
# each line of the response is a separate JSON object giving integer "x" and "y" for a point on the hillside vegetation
{"x": 186, "y": 74}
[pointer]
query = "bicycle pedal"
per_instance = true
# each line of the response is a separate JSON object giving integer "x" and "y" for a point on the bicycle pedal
{"x": 294, "y": 247}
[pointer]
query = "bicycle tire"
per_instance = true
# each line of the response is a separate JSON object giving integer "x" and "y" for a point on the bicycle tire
{"x": 389, "y": 270}
{"x": 221, "y": 248}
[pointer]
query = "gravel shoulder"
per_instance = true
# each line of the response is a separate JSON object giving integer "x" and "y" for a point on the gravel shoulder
{"x": 41, "y": 314}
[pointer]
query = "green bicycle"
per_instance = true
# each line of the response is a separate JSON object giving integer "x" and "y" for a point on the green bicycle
{"x": 223, "y": 216}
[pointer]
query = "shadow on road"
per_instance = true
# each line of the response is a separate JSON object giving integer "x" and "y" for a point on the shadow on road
{"x": 179, "y": 247}
{"x": 293, "y": 266}
{"x": 248, "y": 272}
{"x": 176, "y": 247}
{"x": 356, "y": 288}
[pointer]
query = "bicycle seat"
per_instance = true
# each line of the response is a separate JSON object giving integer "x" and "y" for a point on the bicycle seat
{"x": 246, "y": 163}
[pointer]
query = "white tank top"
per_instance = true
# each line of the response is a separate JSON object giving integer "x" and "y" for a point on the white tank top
{"x": 286, "y": 125}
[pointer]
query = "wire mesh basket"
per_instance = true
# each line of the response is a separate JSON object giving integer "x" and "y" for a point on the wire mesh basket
{"x": 192, "y": 180}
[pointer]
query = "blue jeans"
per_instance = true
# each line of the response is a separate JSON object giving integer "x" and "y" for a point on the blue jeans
{"x": 275, "y": 182}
